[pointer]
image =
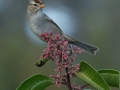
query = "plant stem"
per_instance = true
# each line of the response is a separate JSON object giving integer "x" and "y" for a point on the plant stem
{"x": 68, "y": 79}
{"x": 84, "y": 86}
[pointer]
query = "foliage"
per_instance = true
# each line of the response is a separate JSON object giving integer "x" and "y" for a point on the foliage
{"x": 60, "y": 51}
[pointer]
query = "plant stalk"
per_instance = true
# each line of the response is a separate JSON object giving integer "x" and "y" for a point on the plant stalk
{"x": 68, "y": 79}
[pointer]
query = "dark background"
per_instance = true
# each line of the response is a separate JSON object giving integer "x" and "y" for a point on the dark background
{"x": 93, "y": 21}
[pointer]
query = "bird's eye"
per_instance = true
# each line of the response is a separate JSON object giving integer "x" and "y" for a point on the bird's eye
{"x": 35, "y": 4}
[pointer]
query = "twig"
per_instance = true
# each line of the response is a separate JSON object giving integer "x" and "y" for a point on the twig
{"x": 68, "y": 79}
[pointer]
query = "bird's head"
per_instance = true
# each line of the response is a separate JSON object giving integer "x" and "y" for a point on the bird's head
{"x": 35, "y": 5}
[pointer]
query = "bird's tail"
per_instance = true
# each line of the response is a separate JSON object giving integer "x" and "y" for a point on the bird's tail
{"x": 86, "y": 47}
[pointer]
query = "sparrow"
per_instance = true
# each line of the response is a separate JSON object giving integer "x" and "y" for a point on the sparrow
{"x": 40, "y": 22}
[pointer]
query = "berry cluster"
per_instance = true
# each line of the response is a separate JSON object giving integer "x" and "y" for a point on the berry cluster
{"x": 59, "y": 50}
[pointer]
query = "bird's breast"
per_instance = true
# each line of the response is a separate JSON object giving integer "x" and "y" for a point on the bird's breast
{"x": 36, "y": 24}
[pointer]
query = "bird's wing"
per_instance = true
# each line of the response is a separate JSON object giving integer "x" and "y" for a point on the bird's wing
{"x": 51, "y": 21}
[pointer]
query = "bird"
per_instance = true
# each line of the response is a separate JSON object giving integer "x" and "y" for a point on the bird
{"x": 39, "y": 22}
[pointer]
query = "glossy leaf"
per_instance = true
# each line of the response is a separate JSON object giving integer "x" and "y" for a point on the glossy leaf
{"x": 88, "y": 74}
{"x": 110, "y": 76}
{"x": 35, "y": 82}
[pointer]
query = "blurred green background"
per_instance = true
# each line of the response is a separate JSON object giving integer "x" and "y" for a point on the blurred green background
{"x": 93, "y": 21}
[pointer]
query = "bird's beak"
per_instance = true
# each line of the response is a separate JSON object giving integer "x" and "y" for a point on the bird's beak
{"x": 42, "y": 6}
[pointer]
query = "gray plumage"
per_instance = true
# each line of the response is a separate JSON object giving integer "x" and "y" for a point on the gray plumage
{"x": 39, "y": 22}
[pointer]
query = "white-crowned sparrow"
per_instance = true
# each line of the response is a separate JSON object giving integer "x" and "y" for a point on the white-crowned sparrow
{"x": 40, "y": 22}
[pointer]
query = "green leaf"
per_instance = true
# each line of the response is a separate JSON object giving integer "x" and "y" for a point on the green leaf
{"x": 35, "y": 82}
{"x": 88, "y": 74}
{"x": 110, "y": 76}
